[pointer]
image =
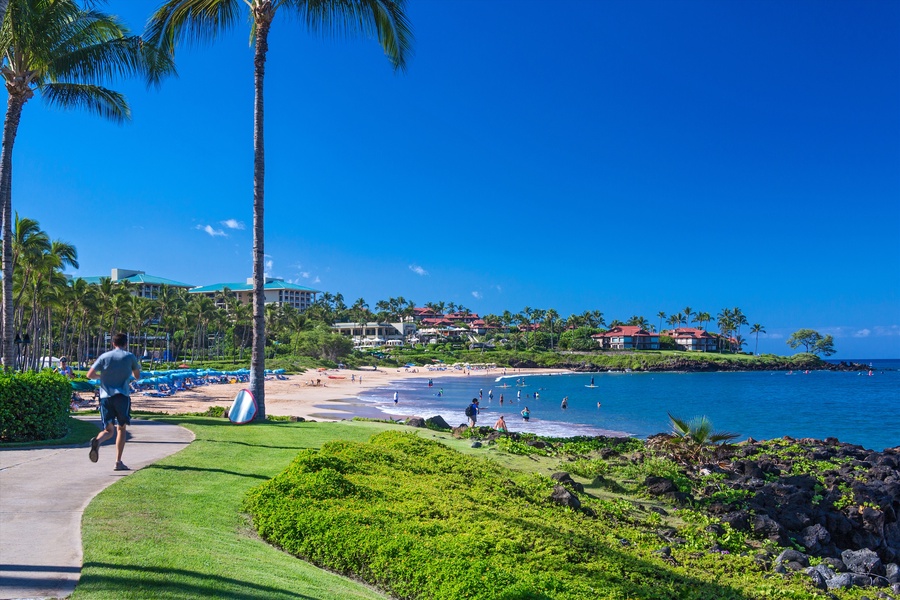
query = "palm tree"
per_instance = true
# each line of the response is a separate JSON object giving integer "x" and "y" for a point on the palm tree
{"x": 703, "y": 317}
{"x": 697, "y": 436}
{"x": 202, "y": 20}
{"x": 551, "y": 315}
{"x": 688, "y": 313}
{"x": 661, "y": 315}
{"x": 64, "y": 53}
{"x": 757, "y": 329}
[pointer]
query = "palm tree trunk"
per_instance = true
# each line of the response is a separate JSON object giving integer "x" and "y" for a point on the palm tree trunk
{"x": 263, "y": 17}
{"x": 14, "y": 106}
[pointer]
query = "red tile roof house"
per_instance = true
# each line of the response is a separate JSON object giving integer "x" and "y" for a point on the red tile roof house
{"x": 693, "y": 339}
{"x": 627, "y": 337}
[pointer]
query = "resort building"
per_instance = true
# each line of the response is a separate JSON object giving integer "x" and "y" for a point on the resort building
{"x": 145, "y": 286}
{"x": 374, "y": 335}
{"x": 277, "y": 291}
{"x": 693, "y": 339}
{"x": 627, "y": 337}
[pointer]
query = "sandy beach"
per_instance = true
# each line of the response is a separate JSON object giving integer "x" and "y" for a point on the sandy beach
{"x": 333, "y": 399}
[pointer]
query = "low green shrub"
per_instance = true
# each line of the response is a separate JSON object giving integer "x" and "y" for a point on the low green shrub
{"x": 33, "y": 406}
{"x": 421, "y": 520}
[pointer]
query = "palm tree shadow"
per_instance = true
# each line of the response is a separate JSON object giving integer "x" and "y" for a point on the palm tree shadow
{"x": 205, "y": 470}
{"x": 157, "y": 582}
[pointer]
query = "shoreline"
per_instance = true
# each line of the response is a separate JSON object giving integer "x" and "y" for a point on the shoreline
{"x": 326, "y": 395}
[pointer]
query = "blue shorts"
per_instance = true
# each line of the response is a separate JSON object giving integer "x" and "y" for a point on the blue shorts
{"x": 116, "y": 408}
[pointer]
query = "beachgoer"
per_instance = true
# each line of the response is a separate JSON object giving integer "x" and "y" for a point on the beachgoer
{"x": 114, "y": 368}
{"x": 473, "y": 412}
{"x": 501, "y": 399}
{"x": 500, "y": 425}
{"x": 396, "y": 397}
{"x": 536, "y": 396}
{"x": 481, "y": 394}
{"x": 565, "y": 403}
{"x": 352, "y": 378}
{"x": 598, "y": 405}
{"x": 526, "y": 414}
{"x": 518, "y": 394}
{"x": 65, "y": 369}
{"x": 490, "y": 394}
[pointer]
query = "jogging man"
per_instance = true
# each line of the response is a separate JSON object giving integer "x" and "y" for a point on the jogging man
{"x": 114, "y": 368}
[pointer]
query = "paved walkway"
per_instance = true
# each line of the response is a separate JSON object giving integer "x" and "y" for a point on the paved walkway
{"x": 43, "y": 494}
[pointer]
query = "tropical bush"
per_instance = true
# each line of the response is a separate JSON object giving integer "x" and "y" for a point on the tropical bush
{"x": 33, "y": 406}
{"x": 421, "y": 520}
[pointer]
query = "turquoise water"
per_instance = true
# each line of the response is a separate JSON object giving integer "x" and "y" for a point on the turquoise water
{"x": 854, "y": 407}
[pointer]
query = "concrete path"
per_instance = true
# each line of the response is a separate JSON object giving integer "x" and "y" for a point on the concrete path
{"x": 43, "y": 494}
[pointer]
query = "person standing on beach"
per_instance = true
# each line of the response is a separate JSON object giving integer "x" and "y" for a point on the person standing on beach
{"x": 526, "y": 414}
{"x": 114, "y": 368}
{"x": 396, "y": 397}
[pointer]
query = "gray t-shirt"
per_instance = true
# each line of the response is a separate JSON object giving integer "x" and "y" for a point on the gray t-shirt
{"x": 115, "y": 367}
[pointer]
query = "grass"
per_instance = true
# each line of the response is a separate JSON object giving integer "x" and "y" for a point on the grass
{"x": 177, "y": 529}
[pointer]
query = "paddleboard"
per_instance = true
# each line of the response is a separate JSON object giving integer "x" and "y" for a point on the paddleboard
{"x": 243, "y": 410}
{"x": 592, "y": 386}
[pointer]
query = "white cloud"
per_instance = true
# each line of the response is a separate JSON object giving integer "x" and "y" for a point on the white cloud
{"x": 862, "y": 333}
{"x": 476, "y": 295}
{"x": 212, "y": 231}
{"x": 891, "y": 330}
{"x": 773, "y": 336}
{"x": 305, "y": 275}
{"x": 418, "y": 270}
{"x": 232, "y": 224}
{"x": 317, "y": 280}
{"x": 498, "y": 288}
{"x": 269, "y": 264}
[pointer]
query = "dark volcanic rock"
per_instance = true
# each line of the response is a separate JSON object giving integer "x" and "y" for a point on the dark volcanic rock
{"x": 437, "y": 422}
{"x": 564, "y": 497}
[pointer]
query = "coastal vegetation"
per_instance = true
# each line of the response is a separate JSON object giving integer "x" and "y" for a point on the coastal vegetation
{"x": 57, "y": 316}
{"x": 421, "y": 514}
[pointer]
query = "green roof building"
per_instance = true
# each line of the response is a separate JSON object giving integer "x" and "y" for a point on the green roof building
{"x": 277, "y": 290}
{"x": 146, "y": 286}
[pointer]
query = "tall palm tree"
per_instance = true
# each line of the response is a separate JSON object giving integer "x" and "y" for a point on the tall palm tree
{"x": 661, "y": 315}
{"x": 757, "y": 329}
{"x": 688, "y": 313}
{"x": 64, "y": 53}
{"x": 703, "y": 317}
{"x": 551, "y": 315}
{"x": 204, "y": 20}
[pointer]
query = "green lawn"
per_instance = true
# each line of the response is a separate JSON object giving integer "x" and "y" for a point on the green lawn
{"x": 175, "y": 529}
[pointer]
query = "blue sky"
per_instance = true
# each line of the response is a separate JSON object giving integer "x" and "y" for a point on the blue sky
{"x": 629, "y": 157}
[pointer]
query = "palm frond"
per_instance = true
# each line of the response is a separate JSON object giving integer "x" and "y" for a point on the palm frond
{"x": 191, "y": 21}
{"x": 680, "y": 427}
{"x": 94, "y": 98}
{"x": 383, "y": 19}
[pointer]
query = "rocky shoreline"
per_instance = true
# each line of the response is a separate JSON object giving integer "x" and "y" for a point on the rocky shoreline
{"x": 682, "y": 365}
{"x": 819, "y": 498}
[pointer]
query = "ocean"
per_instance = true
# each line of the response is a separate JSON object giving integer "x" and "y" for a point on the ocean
{"x": 854, "y": 407}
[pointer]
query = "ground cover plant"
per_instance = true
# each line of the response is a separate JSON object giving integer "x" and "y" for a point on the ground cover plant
{"x": 423, "y": 520}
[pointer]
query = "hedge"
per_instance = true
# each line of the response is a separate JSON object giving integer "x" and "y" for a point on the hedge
{"x": 33, "y": 406}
